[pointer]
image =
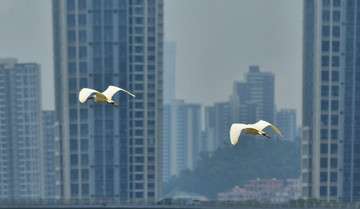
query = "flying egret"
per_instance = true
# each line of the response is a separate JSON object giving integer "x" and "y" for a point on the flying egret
{"x": 104, "y": 97}
{"x": 255, "y": 129}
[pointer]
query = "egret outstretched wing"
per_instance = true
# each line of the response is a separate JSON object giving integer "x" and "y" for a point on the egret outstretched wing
{"x": 85, "y": 93}
{"x": 235, "y": 132}
{"x": 111, "y": 90}
{"x": 261, "y": 124}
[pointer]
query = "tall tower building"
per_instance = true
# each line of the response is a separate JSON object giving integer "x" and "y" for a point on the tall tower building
{"x": 169, "y": 71}
{"x": 103, "y": 151}
{"x": 48, "y": 158}
{"x": 254, "y": 99}
{"x": 20, "y": 125}
{"x": 261, "y": 86}
{"x": 286, "y": 122}
{"x": 182, "y": 140}
{"x": 331, "y": 100}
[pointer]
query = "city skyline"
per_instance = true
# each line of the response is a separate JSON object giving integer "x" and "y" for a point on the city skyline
{"x": 181, "y": 16}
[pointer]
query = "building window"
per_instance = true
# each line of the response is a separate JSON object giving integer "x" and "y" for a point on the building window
{"x": 84, "y": 159}
{"x": 82, "y": 36}
{"x": 70, "y": 4}
{"x": 71, "y": 36}
{"x": 73, "y": 159}
{"x": 71, "y": 52}
{"x": 335, "y": 62}
{"x": 73, "y": 130}
{"x": 84, "y": 189}
{"x": 324, "y": 149}
{"x": 324, "y": 91}
{"x": 84, "y": 174}
{"x": 334, "y": 105}
{"x": 333, "y": 162}
{"x": 334, "y": 134}
{"x": 323, "y": 191}
{"x": 324, "y": 105}
{"x": 336, "y": 32}
{"x": 73, "y": 144}
{"x": 335, "y": 76}
{"x": 323, "y": 162}
{"x": 71, "y": 20}
{"x": 82, "y": 52}
{"x": 326, "y": 3}
{"x": 139, "y": 195}
{"x": 336, "y": 3}
{"x": 325, "y": 46}
{"x": 139, "y": 20}
{"x": 81, "y": 4}
{"x": 334, "y": 148}
{"x": 82, "y": 20}
{"x": 325, "y": 31}
{"x": 74, "y": 174}
{"x": 84, "y": 144}
{"x": 333, "y": 177}
{"x": 336, "y": 16}
{"x": 335, "y": 91}
{"x": 74, "y": 189}
{"x": 325, "y": 75}
{"x": 323, "y": 176}
{"x": 325, "y": 61}
{"x": 335, "y": 47}
{"x": 334, "y": 119}
{"x": 326, "y": 16}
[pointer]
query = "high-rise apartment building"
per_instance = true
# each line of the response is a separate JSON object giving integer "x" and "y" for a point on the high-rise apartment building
{"x": 169, "y": 71}
{"x": 217, "y": 125}
{"x": 183, "y": 137}
{"x": 20, "y": 125}
{"x": 103, "y": 151}
{"x": 286, "y": 123}
{"x": 253, "y": 99}
{"x": 48, "y": 157}
{"x": 331, "y": 100}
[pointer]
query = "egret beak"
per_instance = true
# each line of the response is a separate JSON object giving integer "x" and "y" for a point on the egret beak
{"x": 116, "y": 104}
{"x": 266, "y": 135}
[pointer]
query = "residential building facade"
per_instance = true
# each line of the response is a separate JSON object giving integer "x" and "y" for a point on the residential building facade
{"x": 20, "y": 138}
{"x": 286, "y": 122}
{"x": 183, "y": 141}
{"x": 331, "y": 101}
{"x": 103, "y": 151}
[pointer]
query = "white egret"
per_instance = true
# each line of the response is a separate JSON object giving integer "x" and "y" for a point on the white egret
{"x": 104, "y": 97}
{"x": 255, "y": 129}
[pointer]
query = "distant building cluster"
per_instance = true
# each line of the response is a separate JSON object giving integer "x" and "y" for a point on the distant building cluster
{"x": 250, "y": 101}
{"x": 264, "y": 190}
{"x": 27, "y": 134}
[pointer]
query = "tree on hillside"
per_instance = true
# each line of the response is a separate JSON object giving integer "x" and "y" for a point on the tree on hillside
{"x": 228, "y": 166}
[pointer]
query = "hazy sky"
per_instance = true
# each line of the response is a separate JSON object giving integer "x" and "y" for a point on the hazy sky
{"x": 216, "y": 42}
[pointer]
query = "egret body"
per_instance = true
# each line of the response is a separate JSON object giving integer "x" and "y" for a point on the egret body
{"x": 104, "y": 97}
{"x": 255, "y": 129}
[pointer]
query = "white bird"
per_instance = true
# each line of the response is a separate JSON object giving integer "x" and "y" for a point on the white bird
{"x": 255, "y": 129}
{"x": 104, "y": 97}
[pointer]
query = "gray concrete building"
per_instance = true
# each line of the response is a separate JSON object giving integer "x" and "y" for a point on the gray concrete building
{"x": 48, "y": 163}
{"x": 183, "y": 139}
{"x": 169, "y": 71}
{"x": 286, "y": 122}
{"x": 331, "y": 100}
{"x": 103, "y": 151}
{"x": 20, "y": 135}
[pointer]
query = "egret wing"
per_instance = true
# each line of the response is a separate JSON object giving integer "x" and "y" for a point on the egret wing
{"x": 235, "y": 132}
{"x": 85, "y": 93}
{"x": 111, "y": 90}
{"x": 261, "y": 124}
